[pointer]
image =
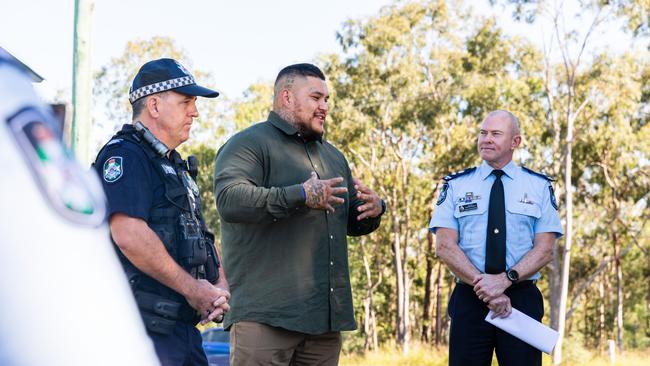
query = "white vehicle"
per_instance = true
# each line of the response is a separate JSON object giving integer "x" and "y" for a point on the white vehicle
{"x": 64, "y": 297}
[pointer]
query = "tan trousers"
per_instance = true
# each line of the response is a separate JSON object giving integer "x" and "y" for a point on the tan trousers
{"x": 254, "y": 343}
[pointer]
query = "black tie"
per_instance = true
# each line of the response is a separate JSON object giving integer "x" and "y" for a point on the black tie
{"x": 495, "y": 250}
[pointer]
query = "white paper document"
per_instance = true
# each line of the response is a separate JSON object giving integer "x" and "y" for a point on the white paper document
{"x": 527, "y": 329}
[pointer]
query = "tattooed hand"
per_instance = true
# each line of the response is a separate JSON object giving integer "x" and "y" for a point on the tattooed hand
{"x": 372, "y": 203}
{"x": 321, "y": 194}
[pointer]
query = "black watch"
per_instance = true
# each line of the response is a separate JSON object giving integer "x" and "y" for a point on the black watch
{"x": 512, "y": 275}
{"x": 383, "y": 207}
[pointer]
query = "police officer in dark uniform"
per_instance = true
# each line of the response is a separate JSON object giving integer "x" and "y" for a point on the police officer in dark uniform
{"x": 495, "y": 227}
{"x": 155, "y": 213}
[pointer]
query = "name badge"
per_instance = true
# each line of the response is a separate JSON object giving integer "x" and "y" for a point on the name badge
{"x": 470, "y": 207}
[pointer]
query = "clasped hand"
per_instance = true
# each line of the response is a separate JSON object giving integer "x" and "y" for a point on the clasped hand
{"x": 490, "y": 289}
{"x": 210, "y": 301}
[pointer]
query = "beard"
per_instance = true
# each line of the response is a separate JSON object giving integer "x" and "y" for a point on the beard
{"x": 308, "y": 133}
{"x": 303, "y": 127}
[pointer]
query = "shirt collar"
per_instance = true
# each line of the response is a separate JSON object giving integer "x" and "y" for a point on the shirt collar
{"x": 281, "y": 124}
{"x": 485, "y": 170}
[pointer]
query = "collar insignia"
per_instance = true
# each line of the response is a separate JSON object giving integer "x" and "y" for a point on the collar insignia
{"x": 525, "y": 200}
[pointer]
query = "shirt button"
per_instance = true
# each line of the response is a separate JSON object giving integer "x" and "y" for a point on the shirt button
{"x": 331, "y": 289}
{"x": 331, "y": 263}
{"x": 316, "y": 166}
{"x": 496, "y": 231}
{"x": 331, "y": 236}
{"x": 275, "y": 220}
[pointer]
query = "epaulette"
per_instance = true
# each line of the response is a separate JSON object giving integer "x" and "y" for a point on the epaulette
{"x": 458, "y": 174}
{"x": 114, "y": 141}
{"x": 538, "y": 174}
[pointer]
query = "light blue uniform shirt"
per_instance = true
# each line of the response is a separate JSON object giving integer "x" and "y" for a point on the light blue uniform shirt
{"x": 530, "y": 209}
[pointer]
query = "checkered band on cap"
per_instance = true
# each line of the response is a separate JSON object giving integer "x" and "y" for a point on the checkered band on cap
{"x": 160, "y": 87}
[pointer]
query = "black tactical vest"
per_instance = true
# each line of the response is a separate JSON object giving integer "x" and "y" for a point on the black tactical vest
{"x": 180, "y": 226}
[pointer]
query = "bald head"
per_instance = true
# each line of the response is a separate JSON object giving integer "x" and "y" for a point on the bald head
{"x": 503, "y": 114}
{"x": 498, "y": 138}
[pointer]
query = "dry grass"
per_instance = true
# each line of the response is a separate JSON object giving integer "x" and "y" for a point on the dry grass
{"x": 421, "y": 355}
{"x": 418, "y": 356}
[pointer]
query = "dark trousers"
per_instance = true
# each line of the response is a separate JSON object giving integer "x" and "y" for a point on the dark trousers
{"x": 183, "y": 347}
{"x": 472, "y": 340}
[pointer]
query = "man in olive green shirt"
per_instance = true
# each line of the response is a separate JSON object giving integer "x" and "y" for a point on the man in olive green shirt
{"x": 287, "y": 201}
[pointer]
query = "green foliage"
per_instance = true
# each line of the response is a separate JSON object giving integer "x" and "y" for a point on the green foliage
{"x": 113, "y": 80}
{"x": 407, "y": 96}
{"x": 636, "y": 14}
{"x": 254, "y": 106}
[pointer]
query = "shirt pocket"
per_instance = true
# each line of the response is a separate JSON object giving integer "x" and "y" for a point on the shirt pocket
{"x": 520, "y": 222}
{"x": 471, "y": 223}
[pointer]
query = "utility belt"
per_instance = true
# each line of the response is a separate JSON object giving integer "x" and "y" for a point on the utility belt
{"x": 160, "y": 314}
{"x": 193, "y": 249}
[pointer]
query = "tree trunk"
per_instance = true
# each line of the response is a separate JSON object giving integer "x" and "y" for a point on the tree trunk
{"x": 369, "y": 323}
{"x": 568, "y": 239}
{"x": 400, "y": 329}
{"x": 647, "y": 319}
{"x": 427, "y": 306}
{"x": 406, "y": 346}
{"x": 406, "y": 277}
{"x": 439, "y": 317}
{"x": 619, "y": 294}
{"x": 601, "y": 315}
{"x": 555, "y": 284}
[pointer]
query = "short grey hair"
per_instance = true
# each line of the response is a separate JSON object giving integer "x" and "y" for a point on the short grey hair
{"x": 511, "y": 117}
{"x": 138, "y": 105}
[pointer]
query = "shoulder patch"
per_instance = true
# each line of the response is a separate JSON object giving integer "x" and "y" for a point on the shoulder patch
{"x": 553, "y": 200}
{"x": 443, "y": 194}
{"x": 113, "y": 169}
{"x": 548, "y": 178}
{"x": 458, "y": 174}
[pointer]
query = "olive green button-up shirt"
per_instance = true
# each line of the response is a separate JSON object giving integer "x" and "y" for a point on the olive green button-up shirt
{"x": 286, "y": 264}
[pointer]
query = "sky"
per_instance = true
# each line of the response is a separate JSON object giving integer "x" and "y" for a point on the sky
{"x": 239, "y": 42}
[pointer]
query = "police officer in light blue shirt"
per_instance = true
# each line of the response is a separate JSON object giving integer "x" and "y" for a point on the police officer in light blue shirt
{"x": 495, "y": 228}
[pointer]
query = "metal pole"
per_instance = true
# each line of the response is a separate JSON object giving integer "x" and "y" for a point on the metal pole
{"x": 81, "y": 81}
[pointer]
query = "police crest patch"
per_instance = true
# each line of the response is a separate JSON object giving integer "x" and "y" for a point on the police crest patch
{"x": 443, "y": 194}
{"x": 552, "y": 193}
{"x": 113, "y": 169}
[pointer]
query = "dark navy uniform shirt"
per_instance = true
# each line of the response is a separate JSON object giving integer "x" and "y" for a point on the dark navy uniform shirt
{"x": 130, "y": 181}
